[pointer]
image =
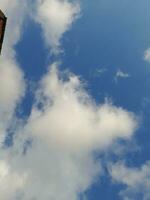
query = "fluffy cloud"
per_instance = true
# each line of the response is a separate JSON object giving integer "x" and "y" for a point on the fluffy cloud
{"x": 56, "y": 17}
{"x": 147, "y": 55}
{"x": 97, "y": 125}
{"x": 9, "y": 182}
{"x": 54, "y": 149}
{"x": 136, "y": 180}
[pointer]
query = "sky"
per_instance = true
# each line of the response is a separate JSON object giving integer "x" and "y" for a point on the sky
{"x": 75, "y": 100}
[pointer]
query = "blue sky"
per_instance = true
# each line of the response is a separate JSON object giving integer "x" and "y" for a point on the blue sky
{"x": 75, "y": 96}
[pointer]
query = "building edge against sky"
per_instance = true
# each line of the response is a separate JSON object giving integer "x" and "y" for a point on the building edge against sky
{"x": 3, "y": 20}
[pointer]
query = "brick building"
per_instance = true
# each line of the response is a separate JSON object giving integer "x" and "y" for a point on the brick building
{"x": 3, "y": 20}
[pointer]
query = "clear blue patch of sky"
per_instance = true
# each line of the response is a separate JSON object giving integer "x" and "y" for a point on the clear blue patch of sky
{"x": 105, "y": 190}
{"x": 33, "y": 57}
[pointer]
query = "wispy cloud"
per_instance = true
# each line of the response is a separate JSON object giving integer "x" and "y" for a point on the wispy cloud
{"x": 56, "y": 17}
{"x": 121, "y": 75}
{"x": 98, "y": 72}
{"x": 147, "y": 55}
{"x": 136, "y": 180}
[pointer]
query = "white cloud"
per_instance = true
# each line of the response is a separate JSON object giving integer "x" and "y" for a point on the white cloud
{"x": 98, "y": 72}
{"x": 66, "y": 127}
{"x": 98, "y": 124}
{"x": 9, "y": 182}
{"x": 56, "y": 17}
{"x": 147, "y": 55}
{"x": 121, "y": 74}
{"x": 136, "y": 180}
{"x": 12, "y": 89}
{"x": 12, "y": 85}
{"x": 11, "y": 80}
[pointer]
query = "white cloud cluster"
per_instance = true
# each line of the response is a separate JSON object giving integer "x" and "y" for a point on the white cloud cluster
{"x": 136, "y": 180}
{"x": 52, "y": 154}
{"x": 56, "y": 17}
{"x": 12, "y": 84}
{"x": 65, "y": 127}
{"x": 147, "y": 55}
{"x": 97, "y": 124}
